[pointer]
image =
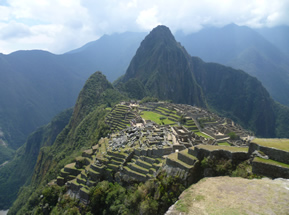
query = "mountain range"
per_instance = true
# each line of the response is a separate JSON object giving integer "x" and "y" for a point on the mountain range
{"x": 36, "y": 85}
{"x": 244, "y": 48}
{"x": 161, "y": 68}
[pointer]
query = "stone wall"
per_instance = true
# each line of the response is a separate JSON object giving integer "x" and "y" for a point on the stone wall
{"x": 274, "y": 154}
{"x": 134, "y": 175}
{"x": 200, "y": 153}
{"x": 186, "y": 159}
{"x": 128, "y": 158}
{"x": 175, "y": 164}
{"x": 269, "y": 170}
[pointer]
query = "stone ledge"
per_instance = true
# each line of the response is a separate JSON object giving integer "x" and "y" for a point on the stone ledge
{"x": 187, "y": 158}
{"x": 270, "y": 170}
{"x": 200, "y": 151}
{"x": 273, "y": 153}
{"x": 174, "y": 162}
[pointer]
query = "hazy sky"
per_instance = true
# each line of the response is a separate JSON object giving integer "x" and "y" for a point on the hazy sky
{"x": 62, "y": 25}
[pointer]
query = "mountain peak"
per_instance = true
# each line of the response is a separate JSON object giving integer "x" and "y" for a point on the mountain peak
{"x": 162, "y": 31}
{"x": 159, "y": 35}
{"x": 163, "y": 69}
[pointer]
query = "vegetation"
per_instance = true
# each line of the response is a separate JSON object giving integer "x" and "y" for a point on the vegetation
{"x": 85, "y": 128}
{"x": 272, "y": 162}
{"x": 227, "y": 148}
{"x": 19, "y": 170}
{"x": 233, "y": 136}
{"x": 223, "y": 144}
{"x": 151, "y": 197}
{"x": 6, "y": 154}
{"x": 203, "y": 135}
{"x": 182, "y": 120}
{"x": 148, "y": 99}
{"x": 158, "y": 118}
{"x": 282, "y": 144}
{"x": 223, "y": 167}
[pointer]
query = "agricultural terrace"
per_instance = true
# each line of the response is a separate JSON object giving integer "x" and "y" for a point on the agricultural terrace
{"x": 227, "y": 148}
{"x": 282, "y": 144}
{"x": 156, "y": 117}
{"x": 272, "y": 162}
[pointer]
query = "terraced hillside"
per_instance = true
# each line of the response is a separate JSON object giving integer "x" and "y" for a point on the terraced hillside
{"x": 119, "y": 117}
{"x": 273, "y": 159}
{"x": 148, "y": 149}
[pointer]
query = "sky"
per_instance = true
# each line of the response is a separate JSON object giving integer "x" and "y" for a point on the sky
{"x": 59, "y": 26}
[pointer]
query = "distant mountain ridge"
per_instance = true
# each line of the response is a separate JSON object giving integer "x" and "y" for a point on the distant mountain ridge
{"x": 243, "y": 48}
{"x": 36, "y": 85}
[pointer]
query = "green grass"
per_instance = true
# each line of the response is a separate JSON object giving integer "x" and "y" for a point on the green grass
{"x": 203, "y": 135}
{"x": 224, "y": 144}
{"x": 149, "y": 115}
{"x": 272, "y": 162}
{"x": 227, "y": 148}
{"x": 282, "y": 144}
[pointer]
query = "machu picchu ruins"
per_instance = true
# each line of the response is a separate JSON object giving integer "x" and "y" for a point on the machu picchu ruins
{"x": 147, "y": 138}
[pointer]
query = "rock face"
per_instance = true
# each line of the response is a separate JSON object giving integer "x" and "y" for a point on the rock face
{"x": 226, "y": 195}
{"x": 163, "y": 67}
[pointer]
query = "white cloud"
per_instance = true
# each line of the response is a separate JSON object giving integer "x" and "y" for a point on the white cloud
{"x": 147, "y": 19}
{"x": 61, "y": 25}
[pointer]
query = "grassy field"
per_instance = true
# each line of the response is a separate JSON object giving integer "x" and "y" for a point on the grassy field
{"x": 149, "y": 115}
{"x": 224, "y": 144}
{"x": 227, "y": 148}
{"x": 268, "y": 161}
{"x": 203, "y": 135}
{"x": 282, "y": 144}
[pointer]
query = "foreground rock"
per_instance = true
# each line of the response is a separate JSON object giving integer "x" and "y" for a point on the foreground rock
{"x": 226, "y": 195}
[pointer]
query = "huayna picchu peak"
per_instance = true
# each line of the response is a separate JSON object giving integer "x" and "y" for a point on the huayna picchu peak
{"x": 163, "y": 67}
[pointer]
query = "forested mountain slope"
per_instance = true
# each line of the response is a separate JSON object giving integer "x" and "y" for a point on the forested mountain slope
{"x": 244, "y": 48}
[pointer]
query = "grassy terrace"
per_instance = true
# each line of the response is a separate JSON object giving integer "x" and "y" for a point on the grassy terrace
{"x": 282, "y": 144}
{"x": 185, "y": 153}
{"x": 224, "y": 144}
{"x": 174, "y": 157}
{"x": 149, "y": 115}
{"x": 203, "y": 135}
{"x": 272, "y": 162}
{"x": 132, "y": 171}
{"x": 167, "y": 112}
{"x": 227, "y": 148}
